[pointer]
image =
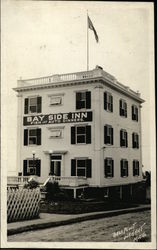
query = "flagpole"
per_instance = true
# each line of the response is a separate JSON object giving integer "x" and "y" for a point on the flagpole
{"x": 87, "y": 45}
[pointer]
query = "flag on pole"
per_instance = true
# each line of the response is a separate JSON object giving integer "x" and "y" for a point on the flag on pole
{"x": 91, "y": 26}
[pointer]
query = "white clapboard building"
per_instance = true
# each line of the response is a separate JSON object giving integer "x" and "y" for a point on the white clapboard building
{"x": 83, "y": 129}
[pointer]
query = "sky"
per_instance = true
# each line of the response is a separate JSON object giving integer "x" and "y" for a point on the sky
{"x": 41, "y": 38}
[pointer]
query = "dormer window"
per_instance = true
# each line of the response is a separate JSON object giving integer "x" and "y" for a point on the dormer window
{"x": 55, "y": 100}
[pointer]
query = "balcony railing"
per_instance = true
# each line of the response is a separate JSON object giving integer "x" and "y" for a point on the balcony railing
{"x": 17, "y": 180}
{"x": 73, "y": 181}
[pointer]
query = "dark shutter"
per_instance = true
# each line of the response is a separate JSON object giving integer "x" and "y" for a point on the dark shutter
{"x": 112, "y": 168}
{"x": 133, "y": 168}
{"x": 73, "y": 167}
{"x": 37, "y": 162}
{"x": 105, "y": 101}
{"x": 26, "y": 106}
{"x": 121, "y": 144}
{"x": 126, "y": 136}
{"x": 111, "y": 103}
{"x": 52, "y": 168}
{"x": 125, "y": 109}
{"x": 133, "y": 140}
{"x": 121, "y": 168}
{"x": 138, "y": 172}
{"x": 38, "y": 136}
{"x": 73, "y": 138}
{"x": 105, "y": 134}
{"x": 25, "y": 137}
{"x": 136, "y": 114}
{"x": 127, "y": 168}
{"x": 78, "y": 98}
{"x": 89, "y": 168}
{"x": 25, "y": 168}
{"x": 39, "y": 100}
{"x": 132, "y": 112}
{"x": 105, "y": 168}
{"x": 88, "y": 134}
{"x": 137, "y": 141}
{"x": 88, "y": 100}
{"x": 112, "y": 135}
{"x": 120, "y": 107}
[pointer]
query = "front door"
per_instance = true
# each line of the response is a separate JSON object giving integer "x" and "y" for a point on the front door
{"x": 55, "y": 167}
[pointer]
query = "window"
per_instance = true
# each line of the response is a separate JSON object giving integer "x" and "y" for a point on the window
{"x": 135, "y": 168}
{"x": 108, "y": 134}
{"x": 56, "y": 134}
{"x": 134, "y": 113}
{"x": 81, "y": 135}
{"x": 108, "y": 102}
{"x": 123, "y": 138}
{"x": 123, "y": 108}
{"x": 31, "y": 167}
{"x": 83, "y": 100}
{"x": 55, "y": 100}
{"x": 135, "y": 140}
{"x": 124, "y": 168}
{"x": 55, "y": 167}
{"x": 32, "y": 136}
{"x": 81, "y": 167}
{"x": 33, "y": 105}
{"x": 108, "y": 167}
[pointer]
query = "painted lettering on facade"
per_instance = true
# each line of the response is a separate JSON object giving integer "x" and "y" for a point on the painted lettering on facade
{"x": 57, "y": 118}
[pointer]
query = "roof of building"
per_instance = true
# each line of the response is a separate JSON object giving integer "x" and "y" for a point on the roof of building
{"x": 77, "y": 78}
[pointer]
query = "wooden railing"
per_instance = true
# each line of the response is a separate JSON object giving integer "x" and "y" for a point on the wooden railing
{"x": 17, "y": 179}
{"x": 72, "y": 181}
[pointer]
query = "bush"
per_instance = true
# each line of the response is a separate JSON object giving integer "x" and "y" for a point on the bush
{"x": 31, "y": 184}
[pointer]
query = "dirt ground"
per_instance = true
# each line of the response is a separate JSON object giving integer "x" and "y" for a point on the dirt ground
{"x": 122, "y": 228}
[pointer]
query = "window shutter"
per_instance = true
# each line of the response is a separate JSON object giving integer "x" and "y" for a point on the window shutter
{"x": 37, "y": 163}
{"x": 105, "y": 134}
{"x": 137, "y": 141}
{"x": 25, "y": 137}
{"x": 52, "y": 168}
{"x": 127, "y": 168}
{"x": 133, "y": 168}
{"x": 126, "y": 139}
{"x": 111, "y": 103}
{"x": 121, "y": 168}
{"x": 112, "y": 135}
{"x": 105, "y": 101}
{"x": 25, "y": 168}
{"x": 78, "y": 98}
{"x": 73, "y": 167}
{"x": 38, "y": 136}
{"x": 138, "y": 168}
{"x": 120, "y": 107}
{"x": 105, "y": 168}
{"x": 132, "y": 112}
{"x": 121, "y": 144}
{"x": 89, "y": 168}
{"x": 125, "y": 109}
{"x": 112, "y": 168}
{"x": 133, "y": 140}
{"x": 39, "y": 99}
{"x": 73, "y": 139}
{"x": 136, "y": 114}
{"x": 26, "y": 106}
{"x": 88, "y": 100}
{"x": 88, "y": 134}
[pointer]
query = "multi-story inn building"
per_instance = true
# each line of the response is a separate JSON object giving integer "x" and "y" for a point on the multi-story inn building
{"x": 84, "y": 129}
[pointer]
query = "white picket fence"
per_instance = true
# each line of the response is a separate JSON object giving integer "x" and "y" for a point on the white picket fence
{"x": 22, "y": 204}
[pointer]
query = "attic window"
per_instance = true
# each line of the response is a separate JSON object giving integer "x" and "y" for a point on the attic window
{"x": 57, "y": 100}
{"x": 56, "y": 134}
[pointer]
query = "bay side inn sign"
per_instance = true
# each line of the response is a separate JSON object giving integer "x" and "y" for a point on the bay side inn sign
{"x": 58, "y": 118}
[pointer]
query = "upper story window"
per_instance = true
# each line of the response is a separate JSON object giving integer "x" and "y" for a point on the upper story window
{"x": 134, "y": 113}
{"x": 135, "y": 140}
{"x": 108, "y": 134}
{"x": 31, "y": 167}
{"x": 124, "y": 168}
{"x": 33, "y": 105}
{"x": 32, "y": 136}
{"x": 108, "y": 102}
{"x": 122, "y": 108}
{"x": 135, "y": 168}
{"x": 55, "y": 100}
{"x": 108, "y": 167}
{"x": 83, "y": 100}
{"x": 123, "y": 138}
{"x": 81, "y": 134}
{"x": 81, "y": 167}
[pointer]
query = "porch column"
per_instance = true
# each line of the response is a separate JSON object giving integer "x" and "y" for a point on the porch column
{"x": 74, "y": 193}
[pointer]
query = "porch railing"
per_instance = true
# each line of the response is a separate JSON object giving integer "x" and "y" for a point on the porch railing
{"x": 73, "y": 181}
{"x": 17, "y": 179}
